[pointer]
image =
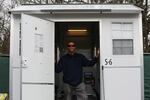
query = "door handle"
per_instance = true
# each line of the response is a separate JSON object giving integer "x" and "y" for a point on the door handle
{"x": 102, "y": 67}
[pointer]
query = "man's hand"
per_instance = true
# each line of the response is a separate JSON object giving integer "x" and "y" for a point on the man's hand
{"x": 98, "y": 53}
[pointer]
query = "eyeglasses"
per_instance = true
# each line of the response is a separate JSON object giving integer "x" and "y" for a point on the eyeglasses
{"x": 72, "y": 45}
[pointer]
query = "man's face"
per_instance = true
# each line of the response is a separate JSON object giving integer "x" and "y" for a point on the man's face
{"x": 71, "y": 47}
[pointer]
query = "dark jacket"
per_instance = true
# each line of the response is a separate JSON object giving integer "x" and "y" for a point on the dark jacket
{"x": 71, "y": 65}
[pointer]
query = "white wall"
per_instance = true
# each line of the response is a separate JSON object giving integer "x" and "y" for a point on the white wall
{"x": 120, "y": 60}
{"x": 122, "y": 79}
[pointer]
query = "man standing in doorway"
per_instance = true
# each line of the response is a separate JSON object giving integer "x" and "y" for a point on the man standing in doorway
{"x": 72, "y": 66}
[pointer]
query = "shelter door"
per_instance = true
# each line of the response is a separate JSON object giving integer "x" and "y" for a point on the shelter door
{"x": 120, "y": 61}
{"x": 37, "y": 58}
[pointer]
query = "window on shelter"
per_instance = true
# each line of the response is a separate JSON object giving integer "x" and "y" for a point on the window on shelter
{"x": 122, "y": 47}
{"x": 122, "y": 38}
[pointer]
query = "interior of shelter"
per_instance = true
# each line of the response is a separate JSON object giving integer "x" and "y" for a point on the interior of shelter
{"x": 86, "y": 37}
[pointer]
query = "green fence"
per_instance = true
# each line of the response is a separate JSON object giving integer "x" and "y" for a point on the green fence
{"x": 4, "y": 74}
{"x": 147, "y": 76}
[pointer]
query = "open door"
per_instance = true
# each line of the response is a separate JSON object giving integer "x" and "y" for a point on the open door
{"x": 37, "y": 58}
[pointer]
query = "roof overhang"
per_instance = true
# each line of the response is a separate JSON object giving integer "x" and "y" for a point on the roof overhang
{"x": 86, "y": 8}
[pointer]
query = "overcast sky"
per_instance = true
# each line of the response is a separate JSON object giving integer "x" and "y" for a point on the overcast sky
{"x": 7, "y": 1}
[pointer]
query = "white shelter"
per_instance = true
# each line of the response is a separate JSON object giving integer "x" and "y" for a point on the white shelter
{"x": 38, "y": 37}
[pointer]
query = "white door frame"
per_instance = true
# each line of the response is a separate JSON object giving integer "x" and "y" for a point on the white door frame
{"x": 102, "y": 94}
